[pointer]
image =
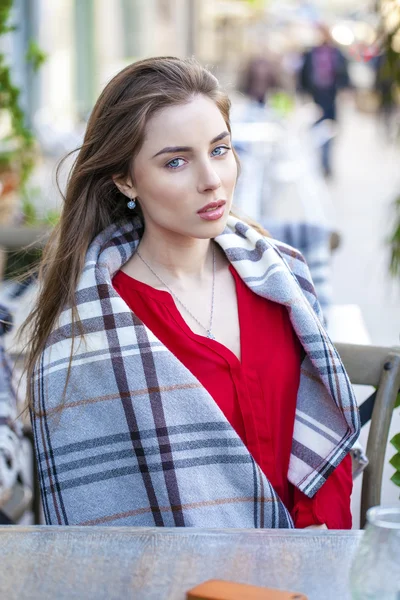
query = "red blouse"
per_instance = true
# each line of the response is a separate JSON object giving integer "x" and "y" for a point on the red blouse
{"x": 256, "y": 394}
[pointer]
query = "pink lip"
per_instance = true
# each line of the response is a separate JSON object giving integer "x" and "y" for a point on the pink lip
{"x": 212, "y": 215}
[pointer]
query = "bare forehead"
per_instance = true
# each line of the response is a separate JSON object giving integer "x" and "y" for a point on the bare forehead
{"x": 200, "y": 119}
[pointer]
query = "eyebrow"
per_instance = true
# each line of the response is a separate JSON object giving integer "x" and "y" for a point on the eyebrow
{"x": 174, "y": 149}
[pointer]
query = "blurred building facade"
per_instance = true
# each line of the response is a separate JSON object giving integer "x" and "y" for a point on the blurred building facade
{"x": 88, "y": 41}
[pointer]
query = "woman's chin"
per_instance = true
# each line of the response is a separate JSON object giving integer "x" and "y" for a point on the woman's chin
{"x": 211, "y": 229}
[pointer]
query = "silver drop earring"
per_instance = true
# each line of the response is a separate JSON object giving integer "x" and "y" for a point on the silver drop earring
{"x": 131, "y": 204}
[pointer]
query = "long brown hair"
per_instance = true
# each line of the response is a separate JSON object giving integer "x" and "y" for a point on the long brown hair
{"x": 114, "y": 136}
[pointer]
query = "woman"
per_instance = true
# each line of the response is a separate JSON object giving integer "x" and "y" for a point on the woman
{"x": 180, "y": 372}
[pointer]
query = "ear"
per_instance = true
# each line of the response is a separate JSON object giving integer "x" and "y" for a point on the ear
{"x": 125, "y": 186}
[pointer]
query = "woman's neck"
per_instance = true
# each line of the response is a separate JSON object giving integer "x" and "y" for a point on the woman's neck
{"x": 176, "y": 257}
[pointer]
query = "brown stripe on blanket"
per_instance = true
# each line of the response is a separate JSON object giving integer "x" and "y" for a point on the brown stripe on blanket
{"x": 191, "y": 506}
{"x": 312, "y": 377}
{"x": 335, "y": 374}
{"x": 122, "y": 395}
{"x": 292, "y": 252}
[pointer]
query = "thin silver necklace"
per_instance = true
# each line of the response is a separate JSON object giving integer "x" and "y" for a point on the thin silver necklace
{"x": 209, "y": 329}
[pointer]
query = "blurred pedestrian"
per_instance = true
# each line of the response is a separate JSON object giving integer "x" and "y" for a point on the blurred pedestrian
{"x": 181, "y": 373}
{"x": 323, "y": 74}
{"x": 259, "y": 77}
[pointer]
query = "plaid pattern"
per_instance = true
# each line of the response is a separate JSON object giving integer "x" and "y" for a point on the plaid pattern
{"x": 138, "y": 441}
{"x": 313, "y": 241}
{"x": 10, "y": 427}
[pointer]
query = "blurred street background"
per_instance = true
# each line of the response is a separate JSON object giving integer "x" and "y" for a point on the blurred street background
{"x": 315, "y": 119}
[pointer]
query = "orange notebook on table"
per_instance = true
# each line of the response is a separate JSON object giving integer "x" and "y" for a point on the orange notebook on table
{"x": 228, "y": 590}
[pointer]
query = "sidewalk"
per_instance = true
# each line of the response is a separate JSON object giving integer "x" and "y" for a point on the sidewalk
{"x": 367, "y": 179}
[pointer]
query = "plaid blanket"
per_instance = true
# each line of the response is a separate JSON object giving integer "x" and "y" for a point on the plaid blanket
{"x": 137, "y": 439}
{"x": 11, "y": 452}
{"x": 313, "y": 241}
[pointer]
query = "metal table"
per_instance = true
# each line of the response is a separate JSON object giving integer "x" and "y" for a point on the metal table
{"x": 122, "y": 562}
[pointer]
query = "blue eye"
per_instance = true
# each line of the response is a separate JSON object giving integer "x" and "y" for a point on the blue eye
{"x": 174, "y": 163}
{"x": 221, "y": 150}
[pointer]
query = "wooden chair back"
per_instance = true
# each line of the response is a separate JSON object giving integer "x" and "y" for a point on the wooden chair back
{"x": 378, "y": 367}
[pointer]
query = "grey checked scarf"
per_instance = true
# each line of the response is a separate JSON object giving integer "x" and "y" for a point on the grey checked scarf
{"x": 139, "y": 441}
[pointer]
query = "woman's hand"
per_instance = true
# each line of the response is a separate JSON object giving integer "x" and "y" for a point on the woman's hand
{"x": 316, "y": 527}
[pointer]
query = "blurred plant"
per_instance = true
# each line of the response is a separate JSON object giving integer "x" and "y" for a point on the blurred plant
{"x": 23, "y": 262}
{"x": 257, "y": 3}
{"x": 35, "y": 56}
{"x": 395, "y": 270}
{"x": 32, "y": 216}
{"x": 394, "y": 241}
{"x": 389, "y": 71}
{"x": 17, "y": 146}
{"x": 395, "y": 460}
{"x": 282, "y": 103}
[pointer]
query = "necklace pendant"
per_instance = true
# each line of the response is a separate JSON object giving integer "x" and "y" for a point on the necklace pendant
{"x": 209, "y": 334}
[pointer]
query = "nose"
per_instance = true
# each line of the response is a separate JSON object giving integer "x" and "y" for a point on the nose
{"x": 209, "y": 179}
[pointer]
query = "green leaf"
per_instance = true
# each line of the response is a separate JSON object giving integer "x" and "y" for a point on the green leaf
{"x": 396, "y": 478}
{"x": 35, "y": 56}
{"x": 394, "y": 241}
{"x": 395, "y": 441}
{"x": 397, "y": 401}
{"x": 51, "y": 217}
{"x": 30, "y": 212}
{"x": 395, "y": 461}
